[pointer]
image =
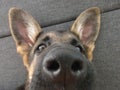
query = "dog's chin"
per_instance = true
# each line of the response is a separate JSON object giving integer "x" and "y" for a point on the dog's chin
{"x": 85, "y": 85}
{"x": 54, "y": 87}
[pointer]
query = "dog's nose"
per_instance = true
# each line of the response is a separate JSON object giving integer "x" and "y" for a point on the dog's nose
{"x": 67, "y": 65}
{"x": 54, "y": 66}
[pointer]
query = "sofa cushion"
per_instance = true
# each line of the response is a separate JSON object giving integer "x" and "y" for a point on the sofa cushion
{"x": 50, "y": 12}
{"x": 107, "y": 52}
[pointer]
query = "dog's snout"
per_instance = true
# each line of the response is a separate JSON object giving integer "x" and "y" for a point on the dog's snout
{"x": 65, "y": 64}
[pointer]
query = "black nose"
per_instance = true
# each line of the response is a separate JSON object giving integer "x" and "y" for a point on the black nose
{"x": 67, "y": 65}
{"x": 54, "y": 65}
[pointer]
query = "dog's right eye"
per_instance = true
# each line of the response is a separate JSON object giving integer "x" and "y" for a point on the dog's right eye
{"x": 41, "y": 47}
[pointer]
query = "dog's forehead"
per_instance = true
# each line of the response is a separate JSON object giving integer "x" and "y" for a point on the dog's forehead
{"x": 59, "y": 35}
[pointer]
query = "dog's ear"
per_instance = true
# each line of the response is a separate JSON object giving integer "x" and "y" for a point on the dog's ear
{"x": 24, "y": 29}
{"x": 86, "y": 27}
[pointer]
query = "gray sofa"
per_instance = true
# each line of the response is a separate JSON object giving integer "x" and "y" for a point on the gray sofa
{"x": 60, "y": 14}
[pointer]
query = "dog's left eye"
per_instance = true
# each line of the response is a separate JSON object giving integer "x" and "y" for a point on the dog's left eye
{"x": 80, "y": 48}
{"x": 41, "y": 47}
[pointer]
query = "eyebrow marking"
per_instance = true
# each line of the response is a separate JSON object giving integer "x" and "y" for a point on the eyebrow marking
{"x": 38, "y": 36}
{"x": 46, "y": 38}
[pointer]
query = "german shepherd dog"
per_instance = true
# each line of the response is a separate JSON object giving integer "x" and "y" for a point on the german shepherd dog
{"x": 56, "y": 60}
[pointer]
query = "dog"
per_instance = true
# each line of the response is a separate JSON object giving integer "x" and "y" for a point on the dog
{"x": 56, "y": 60}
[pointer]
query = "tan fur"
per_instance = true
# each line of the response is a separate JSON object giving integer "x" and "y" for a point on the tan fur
{"x": 24, "y": 55}
{"x": 78, "y": 24}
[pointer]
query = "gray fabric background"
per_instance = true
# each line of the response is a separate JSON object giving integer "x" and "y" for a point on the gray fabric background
{"x": 57, "y": 15}
{"x": 50, "y": 12}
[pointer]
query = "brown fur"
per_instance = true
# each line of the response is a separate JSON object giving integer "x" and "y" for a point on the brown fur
{"x": 23, "y": 49}
{"x": 26, "y": 32}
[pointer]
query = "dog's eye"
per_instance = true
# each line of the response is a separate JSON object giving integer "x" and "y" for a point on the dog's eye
{"x": 80, "y": 48}
{"x": 73, "y": 42}
{"x": 41, "y": 47}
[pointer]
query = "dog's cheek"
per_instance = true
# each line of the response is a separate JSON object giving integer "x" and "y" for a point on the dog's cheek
{"x": 34, "y": 66}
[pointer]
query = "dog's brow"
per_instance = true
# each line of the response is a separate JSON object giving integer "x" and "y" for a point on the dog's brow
{"x": 46, "y": 38}
{"x": 51, "y": 34}
{"x": 38, "y": 35}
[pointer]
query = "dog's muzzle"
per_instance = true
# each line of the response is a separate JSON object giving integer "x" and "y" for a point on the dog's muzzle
{"x": 64, "y": 65}
{"x": 60, "y": 66}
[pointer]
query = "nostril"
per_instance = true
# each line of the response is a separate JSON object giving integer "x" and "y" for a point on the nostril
{"x": 77, "y": 66}
{"x": 52, "y": 65}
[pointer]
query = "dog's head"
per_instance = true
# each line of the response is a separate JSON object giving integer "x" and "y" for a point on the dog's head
{"x": 56, "y": 60}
